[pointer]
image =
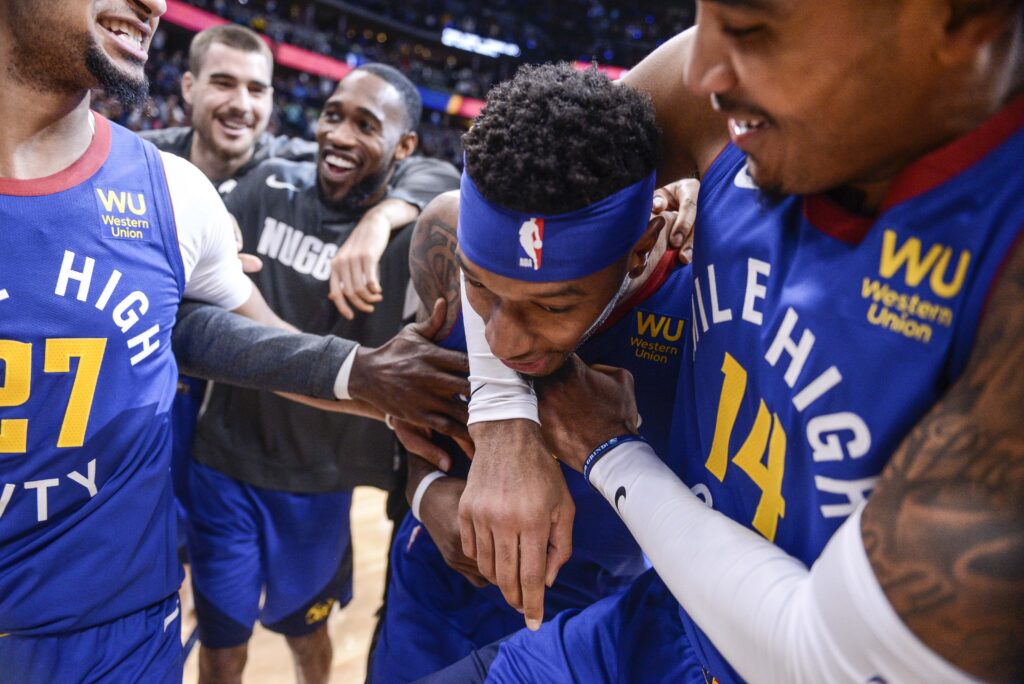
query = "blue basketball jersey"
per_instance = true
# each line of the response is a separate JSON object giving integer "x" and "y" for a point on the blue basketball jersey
{"x": 89, "y": 288}
{"x": 819, "y": 338}
{"x": 645, "y": 336}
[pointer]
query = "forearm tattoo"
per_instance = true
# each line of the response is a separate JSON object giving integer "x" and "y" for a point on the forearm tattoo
{"x": 944, "y": 529}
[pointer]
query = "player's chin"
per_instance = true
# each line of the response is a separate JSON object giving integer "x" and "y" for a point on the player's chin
{"x": 233, "y": 146}
{"x": 771, "y": 178}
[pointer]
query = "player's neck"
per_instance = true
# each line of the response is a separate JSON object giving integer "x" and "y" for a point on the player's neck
{"x": 43, "y": 132}
{"x": 216, "y": 167}
{"x": 960, "y": 114}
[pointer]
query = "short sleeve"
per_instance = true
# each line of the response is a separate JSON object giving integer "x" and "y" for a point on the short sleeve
{"x": 418, "y": 180}
{"x": 206, "y": 236}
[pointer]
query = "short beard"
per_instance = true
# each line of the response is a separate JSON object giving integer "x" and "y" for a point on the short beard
{"x": 362, "y": 191}
{"x": 127, "y": 90}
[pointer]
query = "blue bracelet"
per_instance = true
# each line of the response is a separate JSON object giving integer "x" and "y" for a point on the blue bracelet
{"x": 602, "y": 449}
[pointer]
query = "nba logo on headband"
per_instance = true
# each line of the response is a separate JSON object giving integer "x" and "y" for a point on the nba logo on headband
{"x": 531, "y": 239}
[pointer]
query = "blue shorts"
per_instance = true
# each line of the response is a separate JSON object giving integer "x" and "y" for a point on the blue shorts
{"x": 184, "y": 417}
{"x": 434, "y": 617}
{"x": 635, "y": 636}
{"x": 142, "y": 647}
{"x": 244, "y": 541}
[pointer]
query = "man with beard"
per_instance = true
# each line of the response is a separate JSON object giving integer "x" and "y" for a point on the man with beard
{"x": 859, "y": 288}
{"x": 228, "y": 87}
{"x": 102, "y": 235}
{"x": 268, "y": 499}
{"x": 575, "y": 262}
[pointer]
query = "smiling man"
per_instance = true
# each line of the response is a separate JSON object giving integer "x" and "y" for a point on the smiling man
{"x": 281, "y": 472}
{"x": 229, "y": 87}
{"x": 102, "y": 235}
{"x": 854, "y": 383}
{"x": 559, "y": 253}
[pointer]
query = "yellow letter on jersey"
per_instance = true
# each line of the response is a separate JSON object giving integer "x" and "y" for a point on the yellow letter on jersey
{"x": 17, "y": 360}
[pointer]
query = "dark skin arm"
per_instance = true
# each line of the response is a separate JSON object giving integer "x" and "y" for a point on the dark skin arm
{"x": 432, "y": 266}
{"x": 536, "y": 529}
{"x": 692, "y": 133}
{"x": 439, "y": 510}
{"x": 944, "y": 528}
{"x": 513, "y": 559}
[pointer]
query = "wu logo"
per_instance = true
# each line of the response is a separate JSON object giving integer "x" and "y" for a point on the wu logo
{"x": 934, "y": 264}
{"x": 121, "y": 200}
{"x": 653, "y": 326}
{"x": 766, "y": 437}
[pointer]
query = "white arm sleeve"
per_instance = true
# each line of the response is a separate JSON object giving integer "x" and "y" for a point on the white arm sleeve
{"x": 497, "y": 391}
{"x": 206, "y": 236}
{"x": 772, "y": 619}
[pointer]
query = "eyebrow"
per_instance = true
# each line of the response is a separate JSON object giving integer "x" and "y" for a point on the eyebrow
{"x": 567, "y": 290}
{"x": 223, "y": 74}
{"x": 373, "y": 115}
{"x": 337, "y": 103}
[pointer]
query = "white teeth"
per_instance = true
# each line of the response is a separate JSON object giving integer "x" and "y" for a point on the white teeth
{"x": 125, "y": 32}
{"x": 335, "y": 160}
{"x": 742, "y": 126}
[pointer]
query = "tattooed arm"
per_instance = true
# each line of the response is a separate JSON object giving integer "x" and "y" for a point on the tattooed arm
{"x": 432, "y": 265}
{"x": 923, "y": 584}
{"x": 944, "y": 529}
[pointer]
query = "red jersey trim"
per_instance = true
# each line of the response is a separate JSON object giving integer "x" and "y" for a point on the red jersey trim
{"x": 925, "y": 174}
{"x": 80, "y": 171}
{"x": 668, "y": 263}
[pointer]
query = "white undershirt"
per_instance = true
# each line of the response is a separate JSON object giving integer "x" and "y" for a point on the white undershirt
{"x": 206, "y": 237}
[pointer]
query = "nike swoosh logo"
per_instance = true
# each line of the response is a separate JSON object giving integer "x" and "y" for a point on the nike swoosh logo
{"x": 743, "y": 179}
{"x": 272, "y": 182}
{"x": 620, "y": 493}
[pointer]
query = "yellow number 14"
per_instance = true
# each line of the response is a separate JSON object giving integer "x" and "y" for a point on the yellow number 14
{"x": 17, "y": 387}
{"x": 768, "y": 477}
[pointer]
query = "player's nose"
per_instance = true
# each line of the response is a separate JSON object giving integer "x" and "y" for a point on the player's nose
{"x": 709, "y": 70}
{"x": 149, "y": 9}
{"x": 507, "y": 334}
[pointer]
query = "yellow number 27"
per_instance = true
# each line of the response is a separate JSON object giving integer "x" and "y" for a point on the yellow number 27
{"x": 17, "y": 387}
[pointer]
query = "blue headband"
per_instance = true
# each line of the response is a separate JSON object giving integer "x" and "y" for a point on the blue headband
{"x": 546, "y": 249}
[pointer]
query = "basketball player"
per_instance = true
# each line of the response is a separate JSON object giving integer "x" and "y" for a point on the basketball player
{"x": 569, "y": 259}
{"x": 101, "y": 236}
{"x": 229, "y": 88}
{"x": 269, "y": 497}
{"x": 844, "y": 349}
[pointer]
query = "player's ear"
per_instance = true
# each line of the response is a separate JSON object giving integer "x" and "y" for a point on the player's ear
{"x": 969, "y": 31}
{"x": 406, "y": 145}
{"x": 187, "y": 81}
{"x": 642, "y": 249}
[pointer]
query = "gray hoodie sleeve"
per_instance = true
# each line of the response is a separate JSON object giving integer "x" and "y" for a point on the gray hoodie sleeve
{"x": 218, "y": 345}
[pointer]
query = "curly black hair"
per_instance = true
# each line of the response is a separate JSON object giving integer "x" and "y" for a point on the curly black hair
{"x": 554, "y": 139}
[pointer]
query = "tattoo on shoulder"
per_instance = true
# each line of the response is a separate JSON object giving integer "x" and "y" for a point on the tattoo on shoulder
{"x": 432, "y": 263}
{"x": 944, "y": 528}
